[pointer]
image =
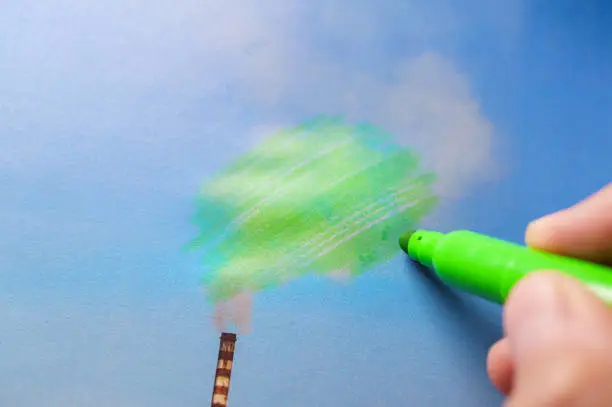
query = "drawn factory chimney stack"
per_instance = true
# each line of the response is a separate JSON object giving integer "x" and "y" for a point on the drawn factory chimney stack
{"x": 224, "y": 370}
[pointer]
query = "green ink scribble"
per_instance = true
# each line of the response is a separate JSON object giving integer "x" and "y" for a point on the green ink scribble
{"x": 320, "y": 198}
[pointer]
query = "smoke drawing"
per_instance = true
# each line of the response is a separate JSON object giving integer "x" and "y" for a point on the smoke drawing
{"x": 235, "y": 311}
{"x": 326, "y": 197}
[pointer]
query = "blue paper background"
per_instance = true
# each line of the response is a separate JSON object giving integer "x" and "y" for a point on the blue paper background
{"x": 113, "y": 113}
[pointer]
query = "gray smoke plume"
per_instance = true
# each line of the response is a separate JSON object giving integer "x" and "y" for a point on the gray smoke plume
{"x": 234, "y": 314}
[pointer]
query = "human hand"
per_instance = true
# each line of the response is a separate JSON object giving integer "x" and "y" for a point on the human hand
{"x": 557, "y": 349}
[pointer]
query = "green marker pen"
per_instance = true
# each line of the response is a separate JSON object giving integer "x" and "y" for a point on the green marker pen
{"x": 489, "y": 267}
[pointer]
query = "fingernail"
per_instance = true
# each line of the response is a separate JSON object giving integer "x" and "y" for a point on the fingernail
{"x": 539, "y": 232}
{"x": 536, "y": 224}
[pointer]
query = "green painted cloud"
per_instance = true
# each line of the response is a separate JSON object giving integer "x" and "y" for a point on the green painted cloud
{"x": 323, "y": 197}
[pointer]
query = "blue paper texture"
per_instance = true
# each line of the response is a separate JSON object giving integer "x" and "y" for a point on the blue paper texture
{"x": 113, "y": 114}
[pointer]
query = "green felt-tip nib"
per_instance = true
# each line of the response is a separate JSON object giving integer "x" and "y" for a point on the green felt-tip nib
{"x": 404, "y": 239}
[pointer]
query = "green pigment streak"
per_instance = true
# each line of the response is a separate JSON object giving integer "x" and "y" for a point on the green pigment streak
{"x": 320, "y": 198}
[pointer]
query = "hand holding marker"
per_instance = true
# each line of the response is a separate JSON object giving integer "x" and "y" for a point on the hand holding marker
{"x": 557, "y": 349}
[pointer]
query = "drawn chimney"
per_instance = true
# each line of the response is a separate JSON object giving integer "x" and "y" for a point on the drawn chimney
{"x": 224, "y": 370}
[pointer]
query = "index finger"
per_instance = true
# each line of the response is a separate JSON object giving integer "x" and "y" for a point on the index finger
{"x": 583, "y": 231}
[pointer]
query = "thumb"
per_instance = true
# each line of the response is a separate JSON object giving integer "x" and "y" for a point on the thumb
{"x": 560, "y": 338}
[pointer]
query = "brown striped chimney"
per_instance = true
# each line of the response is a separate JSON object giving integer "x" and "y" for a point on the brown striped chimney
{"x": 224, "y": 370}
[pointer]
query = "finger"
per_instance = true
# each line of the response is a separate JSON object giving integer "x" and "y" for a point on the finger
{"x": 584, "y": 230}
{"x": 560, "y": 338}
{"x": 499, "y": 366}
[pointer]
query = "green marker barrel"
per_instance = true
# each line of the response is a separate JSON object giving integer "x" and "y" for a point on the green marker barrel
{"x": 489, "y": 267}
